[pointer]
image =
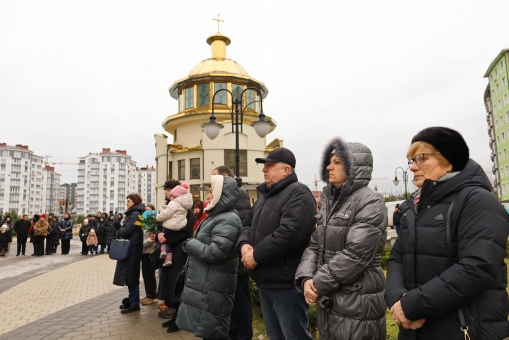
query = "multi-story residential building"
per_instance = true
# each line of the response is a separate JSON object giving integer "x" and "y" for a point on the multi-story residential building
{"x": 26, "y": 185}
{"x": 67, "y": 197}
{"x": 147, "y": 184}
{"x": 496, "y": 98}
{"x": 104, "y": 181}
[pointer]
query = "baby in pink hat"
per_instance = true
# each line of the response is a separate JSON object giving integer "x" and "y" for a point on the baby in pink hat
{"x": 173, "y": 217}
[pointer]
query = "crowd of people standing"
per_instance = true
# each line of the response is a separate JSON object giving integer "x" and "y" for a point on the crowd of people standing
{"x": 446, "y": 276}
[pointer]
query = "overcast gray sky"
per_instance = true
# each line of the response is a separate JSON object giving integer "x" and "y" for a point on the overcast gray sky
{"x": 76, "y": 76}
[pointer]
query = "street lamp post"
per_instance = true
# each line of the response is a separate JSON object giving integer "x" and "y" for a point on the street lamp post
{"x": 261, "y": 126}
{"x": 404, "y": 173}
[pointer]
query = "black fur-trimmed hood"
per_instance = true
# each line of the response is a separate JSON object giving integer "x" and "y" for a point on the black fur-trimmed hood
{"x": 356, "y": 158}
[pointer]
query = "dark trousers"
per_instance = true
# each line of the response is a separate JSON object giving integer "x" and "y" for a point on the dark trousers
{"x": 134, "y": 294}
{"x": 84, "y": 247}
{"x": 22, "y": 245}
{"x": 66, "y": 246}
{"x": 148, "y": 271}
{"x": 241, "y": 324}
{"x": 39, "y": 245}
{"x": 49, "y": 246}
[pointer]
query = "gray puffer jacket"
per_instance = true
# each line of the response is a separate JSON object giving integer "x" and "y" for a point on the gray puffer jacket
{"x": 343, "y": 258}
{"x": 207, "y": 299}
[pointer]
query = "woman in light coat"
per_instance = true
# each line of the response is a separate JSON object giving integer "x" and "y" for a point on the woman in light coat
{"x": 207, "y": 299}
{"x": 340, "y": 270}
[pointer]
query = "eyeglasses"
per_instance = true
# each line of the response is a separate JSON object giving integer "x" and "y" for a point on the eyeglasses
{"x": 419, "y": 158}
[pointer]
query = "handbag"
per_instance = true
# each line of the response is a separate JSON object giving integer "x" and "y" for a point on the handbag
{"x": 120, "y": 250}
{"x": 180, "y": 280}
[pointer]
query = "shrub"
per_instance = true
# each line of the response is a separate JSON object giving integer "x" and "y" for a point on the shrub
{"x": 253, "y": 292}
{"x": 385, "y": 257}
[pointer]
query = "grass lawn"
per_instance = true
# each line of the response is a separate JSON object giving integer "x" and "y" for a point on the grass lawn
{"x": 392, "y": 328}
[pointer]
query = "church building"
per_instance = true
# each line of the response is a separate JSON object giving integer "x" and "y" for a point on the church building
{"x": 192, "y": 156}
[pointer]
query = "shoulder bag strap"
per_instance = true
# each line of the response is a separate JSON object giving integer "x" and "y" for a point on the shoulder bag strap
{"x": 463, "y": 193}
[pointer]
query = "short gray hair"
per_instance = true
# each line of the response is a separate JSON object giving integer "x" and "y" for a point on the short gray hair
{"x": 283, "y": 164}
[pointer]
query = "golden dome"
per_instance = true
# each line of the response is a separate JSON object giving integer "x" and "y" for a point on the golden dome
{"x": 213, "y": 66}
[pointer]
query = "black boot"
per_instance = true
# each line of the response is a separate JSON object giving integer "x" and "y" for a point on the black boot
{"x": 133, "y": 308}
{"x": 126, "y": 303}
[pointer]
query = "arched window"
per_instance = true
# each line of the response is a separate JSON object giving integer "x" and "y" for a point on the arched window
{"x": 190, "y": 97}
{"x": 203, "y": 94}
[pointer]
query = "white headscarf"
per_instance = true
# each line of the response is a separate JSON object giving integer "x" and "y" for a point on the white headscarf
{"x": 216, "y": 183}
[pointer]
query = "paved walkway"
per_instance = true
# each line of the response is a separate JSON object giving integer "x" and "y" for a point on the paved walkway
{"x": 70, "y": 297}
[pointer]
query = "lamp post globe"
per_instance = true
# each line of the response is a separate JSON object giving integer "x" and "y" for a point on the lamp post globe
{"x": 396, "y": 181}
{"x": 261, "y": 126}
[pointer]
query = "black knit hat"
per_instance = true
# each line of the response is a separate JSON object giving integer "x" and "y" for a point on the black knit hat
{"x": 448, "y": 142}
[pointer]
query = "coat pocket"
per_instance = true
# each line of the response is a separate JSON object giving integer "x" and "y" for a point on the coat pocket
{"x": 347, "y": 300}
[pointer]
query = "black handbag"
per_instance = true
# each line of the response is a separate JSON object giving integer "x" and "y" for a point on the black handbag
{"x": 120, "y": 250}
{"x": 180, "y": 280}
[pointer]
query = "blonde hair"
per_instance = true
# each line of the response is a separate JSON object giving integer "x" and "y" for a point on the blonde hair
{"x": 415, "y": 146}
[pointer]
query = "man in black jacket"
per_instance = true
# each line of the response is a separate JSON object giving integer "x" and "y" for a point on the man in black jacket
{"x": 241, "y": 324}
{"x": 276, "y": 233}
{"x": 21, "y": 228}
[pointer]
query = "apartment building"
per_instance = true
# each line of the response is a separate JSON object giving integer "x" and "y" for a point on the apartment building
{"x": 146, "y": 178}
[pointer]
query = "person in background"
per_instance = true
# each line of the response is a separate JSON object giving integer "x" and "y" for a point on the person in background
{"x": 241, "y": 324}
{"x": 84, "y": 231}
{"x": 148, "y": 270}
{"x": 127, "y": 272}
{"x": 31, "y": 232}
{"x": 8, "y": 221}
{"x": 52, "y": 240}
{"x": 396, "y": 219}
{"x": 101, "y": 234}
{"x": 110, "y": 232}
{"x": 3, "y": 239}
{"x": 40, "y": 233}
{"x": 92, "y": 241}
{"x": 66, "y": 233}
{"x": 199, "y": 213}
{"x": 21, "y": 228}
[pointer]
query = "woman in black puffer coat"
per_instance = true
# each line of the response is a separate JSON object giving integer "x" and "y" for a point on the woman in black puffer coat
{"x": 442, "y": 280}
{"x": 109, "y": 232}
{"x": 127, "y": 273}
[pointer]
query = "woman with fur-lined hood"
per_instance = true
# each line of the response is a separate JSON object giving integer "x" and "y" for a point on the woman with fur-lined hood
{"x": 343, "y": 260}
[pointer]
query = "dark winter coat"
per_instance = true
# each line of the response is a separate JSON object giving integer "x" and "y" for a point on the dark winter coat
{"x": 475, "y": 280}
{"x": 344, "y": 256}
{"x": 66, "y": 224}
{"x": 53, "y": 237}
{"x": 128, "y": 272}
{"x": 243, "y": 207}
{"x": 207, "y": 299}
{"x": 168, "y": 274}
{"x": 101, "y": 232}
{"x": 279, "y": 227}
{"x": 21, "y": 228}
{"x": 84, "y": 231}
{"x": 396, "y": 217}
{"x": 9, "y": 231}
{"x": 4, "y": 240}
{"x": 110, "y": 231}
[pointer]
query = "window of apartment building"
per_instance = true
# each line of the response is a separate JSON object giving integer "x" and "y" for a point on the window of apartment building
{"x": 17, "y": 154}
{"x": 506, "y": 99}
{"x": 194, "y": 164}
{"x": 182, "y": 169}
{"x": 502, "y": 64}
{"x": 5, "y": 153}
{"x": 507, "y": 169}
{"x": 499, "y": 104}
{"x": 16, "y": 161}
{"x": 503, "y": 137}
{"x": 503, "y": 189}
{"x": 112, "y": 194}
{"x": 498, "y": 88}
{"x": 2, "y": 178}
{"x": 503, "y": 82}
{"x": 498, "y": 139}
{"x": 112, "y": 184}
{"x": 229, "y": 161}
{"x": 505, "y": 153}
{"x": 2, "y": 167}
{"x": 496, "y": 72}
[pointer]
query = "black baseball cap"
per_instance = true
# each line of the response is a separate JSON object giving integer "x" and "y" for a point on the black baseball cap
{"x": 279, "y": 155}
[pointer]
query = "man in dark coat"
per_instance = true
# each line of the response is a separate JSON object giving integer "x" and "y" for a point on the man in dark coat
{"x": 276, "y": 232}
{"x": 21, "y": 228}
{"x": 110, "y": 231}
{"x": 66, "y": 233}
{"x": 241, "y": 323}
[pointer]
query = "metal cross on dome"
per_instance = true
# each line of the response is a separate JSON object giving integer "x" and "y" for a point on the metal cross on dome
{"x": 218, "y": 22}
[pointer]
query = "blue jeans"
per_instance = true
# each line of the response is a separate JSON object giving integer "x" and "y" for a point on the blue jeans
{"x": 284, "y": 314}
{"x": 398, "y": 228}
{"x": 134, "y": 294}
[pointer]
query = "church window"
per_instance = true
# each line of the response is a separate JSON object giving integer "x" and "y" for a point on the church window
{"x": 229, "y": 161}
{"x": 236, "y": 90}
{"x": 181, "y": 102}
{"x": 170, "y": 170}
{"x": 195, "y": 168}
{"x": 203, "y": 94}
{"x": 221, "y": 96}
{"x": 251, "y": 99}
{"x": 190, "y": 97}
